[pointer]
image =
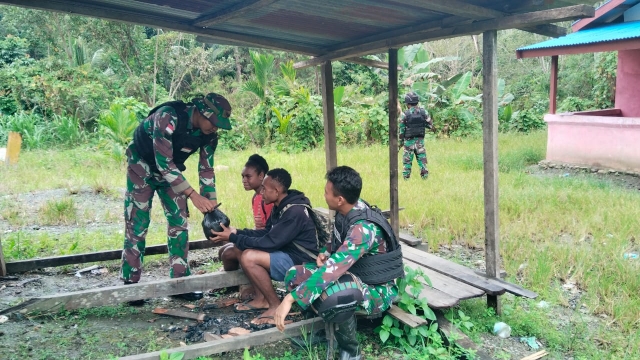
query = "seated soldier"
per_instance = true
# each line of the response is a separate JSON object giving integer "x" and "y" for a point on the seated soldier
{"x": 358, "y": 271}
{"x": 289, "y": 238}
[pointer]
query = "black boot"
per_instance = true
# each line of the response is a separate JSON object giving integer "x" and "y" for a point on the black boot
{"x": 346, "y": 337}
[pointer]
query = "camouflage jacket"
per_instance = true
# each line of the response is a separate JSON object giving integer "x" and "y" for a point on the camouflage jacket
{"x": 160, "y": 126}
{"x": 363, "y": 238}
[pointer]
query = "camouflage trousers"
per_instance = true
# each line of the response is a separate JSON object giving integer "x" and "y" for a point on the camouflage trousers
{"x": 141, "y": 185}
{"x": 377, "y": 298}
{"x": 411, "y": 147}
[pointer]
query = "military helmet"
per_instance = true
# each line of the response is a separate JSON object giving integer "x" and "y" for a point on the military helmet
{"x": 411, "y": 98}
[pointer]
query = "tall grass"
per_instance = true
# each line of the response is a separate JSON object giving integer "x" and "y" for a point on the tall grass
{"x": 563, "y": 228}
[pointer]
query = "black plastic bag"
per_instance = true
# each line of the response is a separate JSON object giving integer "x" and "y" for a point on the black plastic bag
{"x": 212, "y": 221}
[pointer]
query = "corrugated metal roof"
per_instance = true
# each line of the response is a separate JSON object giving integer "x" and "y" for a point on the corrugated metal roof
{"x": 603, "y": 34}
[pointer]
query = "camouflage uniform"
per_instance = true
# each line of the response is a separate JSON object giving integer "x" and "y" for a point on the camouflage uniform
{"x": 168, "y": 181}
{"x": 413, "y": 146}
{"x": 307, "y": 282}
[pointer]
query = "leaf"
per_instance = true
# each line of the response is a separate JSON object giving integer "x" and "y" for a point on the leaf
{"x": 411, "y": 308}
{"x": 423, "y": 331}
{"x": 387, "y": 321}
{"x": 428, "y": 313}
{"x": 384, "y": 335}
{"x": 338, "y": 93}
{"x": 461, "y": 85}
{"x": 422, "y": 55}
{"x": 434, "y": 327}
{"x": 500, "y": 87}
{"x": 396, "y": 332}
{"x": 410, "y": 52}
{"x": 176, "y": 356}
{"x": 412, "y": 339}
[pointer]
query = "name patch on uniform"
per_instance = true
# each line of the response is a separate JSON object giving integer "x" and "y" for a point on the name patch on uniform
{"x": 187, "y": 150}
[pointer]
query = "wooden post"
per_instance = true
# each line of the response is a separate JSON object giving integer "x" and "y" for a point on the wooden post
{"x": 393, "y": 141}
{"x": 13, "y": 148}
{"x": 553, "y": 88}
{"x": 3, "y": 266}
{"x": 490, "y": 154}
{"x": 328, "y": 111}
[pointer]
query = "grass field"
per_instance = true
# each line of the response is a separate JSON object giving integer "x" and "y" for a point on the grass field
{"x": 554, "y": 231}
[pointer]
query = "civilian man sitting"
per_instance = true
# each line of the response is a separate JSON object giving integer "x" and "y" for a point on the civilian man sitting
{"x": 288, "y": 239}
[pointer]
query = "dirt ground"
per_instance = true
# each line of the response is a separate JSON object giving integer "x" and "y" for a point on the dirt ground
{"x": 118, "y": 331}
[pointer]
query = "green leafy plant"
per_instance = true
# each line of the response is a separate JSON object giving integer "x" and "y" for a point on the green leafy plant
{"x": 172, "y": 356}
{"x": 118, "y": 124}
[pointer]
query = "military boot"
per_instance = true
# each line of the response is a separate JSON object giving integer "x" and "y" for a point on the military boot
{"x": 346, "y": 337}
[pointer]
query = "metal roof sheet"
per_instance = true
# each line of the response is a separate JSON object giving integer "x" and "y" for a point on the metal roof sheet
{"x": 603, "y": 34}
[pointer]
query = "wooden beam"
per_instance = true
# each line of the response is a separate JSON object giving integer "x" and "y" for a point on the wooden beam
{"x": 114, "y": 295}
{"x": 437, "y": 30}
{"x": 466, "y": 10}
{"x": 369, "y": 62}
{"x": 452, "y": 270}
{"x": 490, "y": 156}
{"x": 553, "y": 86}
{"x": 393, "y": 142}
{"x": 153, "y": 20}
{"x": 231, "y": 12}
{"x": 405, "y": 317}
{"x": 447, "y": 284}
{"x": 236, "y": 342}
{"x": 33, "y": 264}
{"x": 328, "y": 111}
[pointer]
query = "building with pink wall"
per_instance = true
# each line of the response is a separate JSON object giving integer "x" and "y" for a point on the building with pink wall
{"x": 608, "y": 139}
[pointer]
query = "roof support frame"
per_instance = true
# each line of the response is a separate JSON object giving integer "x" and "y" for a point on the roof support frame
{"x": 475, "y": 12}
{"x": 212, "y": 18}
{"x": 437, "y": 31}
{"x": 92, "y": 10}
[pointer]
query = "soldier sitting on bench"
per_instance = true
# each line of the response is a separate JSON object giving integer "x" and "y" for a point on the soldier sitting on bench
{"x": 357, "y": 270}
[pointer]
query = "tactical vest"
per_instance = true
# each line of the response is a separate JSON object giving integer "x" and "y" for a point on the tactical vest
{"x": 184, "y": 142}
{"x": 415, "y": 123}
{"x": 371, "y": 269}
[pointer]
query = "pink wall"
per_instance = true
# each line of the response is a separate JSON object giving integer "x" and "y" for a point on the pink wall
{"x": 627, "y": 83}
{"x": 598, "y": 141}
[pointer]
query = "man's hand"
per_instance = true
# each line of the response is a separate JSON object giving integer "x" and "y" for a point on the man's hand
{"x": 321, "y": 259}
{"x": 282, "y": 311}
{"x": 202, "y": 203}
{"x": 223, "y": 236}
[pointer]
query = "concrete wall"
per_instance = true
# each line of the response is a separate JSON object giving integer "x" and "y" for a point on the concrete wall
{"x": 596, "y": 141}
{"x": 628, "y": 83}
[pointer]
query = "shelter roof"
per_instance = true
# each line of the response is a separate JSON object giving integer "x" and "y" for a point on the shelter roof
{"x": 334, "y": 28}
{"x": 609, "y": 12}
{"x": 603, "y": 38}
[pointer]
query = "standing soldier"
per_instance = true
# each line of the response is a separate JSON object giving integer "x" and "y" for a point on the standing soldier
{"x": 156, "y": 159}
{"x": 412, "y": 128}
{"x": 356, "y": 272}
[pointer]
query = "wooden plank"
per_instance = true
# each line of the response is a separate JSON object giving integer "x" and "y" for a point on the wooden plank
{"x": 511, "y": 288}
{"x": 328, "y": 112}
{"x": 437, "y": 299}
{"x": 237, "y": 342}
{"x": 154, "y": 20}
{"x": 231, "y": 12}
{"x": 406, "y": 318}
{"x": 393, "y": 142}
{"x": 33, "y": 264}
{"x": 180, "y": 314}
{"x": 451, "y": 269}
{"x": 409, "y": 239}
{"x": 118, "y": 294}
{"x": 490, "y": 158}
{"x": 553, "y": 85}
{"x": 356, "y": 60}
{"x": 447, "y": 284}
{"x": 536, "y": 356}
{"x": 448, "y": 28}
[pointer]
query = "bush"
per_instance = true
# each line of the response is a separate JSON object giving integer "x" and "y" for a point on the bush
{"x": 571, "y": 104}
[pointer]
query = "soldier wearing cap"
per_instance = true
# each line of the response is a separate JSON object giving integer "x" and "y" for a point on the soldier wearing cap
{"x": 156, "y": 159}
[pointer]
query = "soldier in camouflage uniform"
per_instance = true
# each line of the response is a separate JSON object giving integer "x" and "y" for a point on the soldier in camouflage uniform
{"x": 348, "y": 275}
{"x": 161, "y": 145}
{"x": 413, "y": 122}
